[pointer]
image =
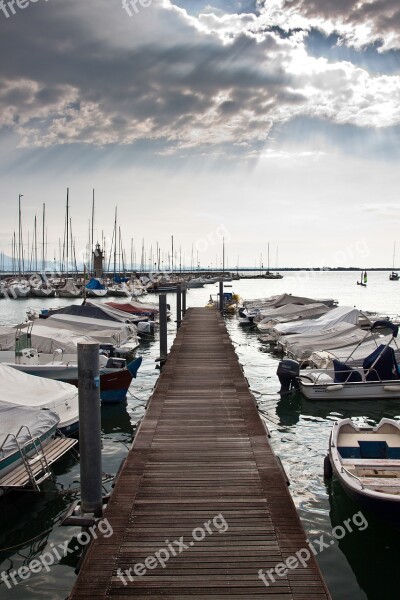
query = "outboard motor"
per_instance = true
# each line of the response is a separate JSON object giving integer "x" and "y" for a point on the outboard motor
{"x": 288, "y": 371}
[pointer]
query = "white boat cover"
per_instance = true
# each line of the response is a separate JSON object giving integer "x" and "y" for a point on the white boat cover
{"x": 47, "y": 339}
{"x": 99, "y": 330}
{"x": 87, "y": 324}
{"x": 7, "y": 338}
{"x": 294, "y": 313}
{"x": 353, "y": 355}
{"x": 13, "y": 416}
{"x": 341, "y": 314}
{"x": 341, "y": 335}
{"x": 281, "y": 300}
{"x": 21, "y": 389}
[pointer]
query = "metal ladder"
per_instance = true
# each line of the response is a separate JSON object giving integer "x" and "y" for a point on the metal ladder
{"x": 32, "y": 445}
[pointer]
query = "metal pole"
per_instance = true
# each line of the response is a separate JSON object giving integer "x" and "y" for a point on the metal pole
{"x": 184, "y": 288}
{"x": 178, "y": 305}
{"x": 162, "y": 305}
{"x": 90, "y": 428}
{"x": 221, "y": 295}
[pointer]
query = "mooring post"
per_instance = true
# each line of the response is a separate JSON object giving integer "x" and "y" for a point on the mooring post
{"x": 178, "y": 305}
{"x": 184, "y": 288}
{"x": 221, "y": 295}
{"x": 162, "y": 305}
{"x": 90, "y": 429}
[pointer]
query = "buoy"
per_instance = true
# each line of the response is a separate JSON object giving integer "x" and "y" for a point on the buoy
{"x": 327, "y": 467}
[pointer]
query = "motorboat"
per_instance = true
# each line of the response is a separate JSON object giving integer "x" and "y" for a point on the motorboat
{"x": 377, "y": 378}
{"x": 28, "y": 446}
{"x": 115, "y": 373}
{"x": 366, "y": 461}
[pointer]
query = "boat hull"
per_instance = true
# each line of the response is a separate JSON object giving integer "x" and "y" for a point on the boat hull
{"x": 14, "y": 460}
{"x": 43, "y": 292}
{"x": 351, "y": 391}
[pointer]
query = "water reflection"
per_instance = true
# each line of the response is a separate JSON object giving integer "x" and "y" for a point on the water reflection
{"x": 373, "y": 553}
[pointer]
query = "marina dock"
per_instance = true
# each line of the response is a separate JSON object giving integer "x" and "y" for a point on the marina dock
{"x": 201, "y": 456}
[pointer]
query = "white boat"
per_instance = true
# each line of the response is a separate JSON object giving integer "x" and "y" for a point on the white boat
{"x": 18, "y": 425}
{"x": 70, "y": 290}
{"x": 120, "y": 290}
{"x": 377, "y": 378}
{"x": 95, "y": 288}
{"x": 17, "y": 289}
{"x": 366, "y": 461}
{"x": 196, "y": 282}
{"x": 43, "y": 291}
{"x": 322, "y": 385}
{"x": 21, "y": 389}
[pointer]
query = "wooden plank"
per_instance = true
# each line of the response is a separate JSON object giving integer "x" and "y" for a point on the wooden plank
{"x": 200, "y": 458}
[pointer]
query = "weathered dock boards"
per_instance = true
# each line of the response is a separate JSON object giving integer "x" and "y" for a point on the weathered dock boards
{"x": 201, "y": 451}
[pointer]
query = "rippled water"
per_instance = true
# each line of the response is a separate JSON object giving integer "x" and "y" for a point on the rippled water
{"x": 364, "y": 564}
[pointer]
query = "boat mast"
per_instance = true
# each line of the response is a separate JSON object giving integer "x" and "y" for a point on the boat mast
{"x": 172, "y": 254}
{"x": 43, "y": 234}
{"x": 19, "y": 235}
{"x": 115, "y": 243}
{"x": 223, "y": 257}
{"x": 91, "y": 244}
{"x": 67, "y": 232}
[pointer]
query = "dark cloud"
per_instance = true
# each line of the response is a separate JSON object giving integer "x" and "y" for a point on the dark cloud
{"x": 87, "y": 73}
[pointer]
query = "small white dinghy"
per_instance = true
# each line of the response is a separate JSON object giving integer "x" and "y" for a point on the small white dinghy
{"x": 366, "y": 461}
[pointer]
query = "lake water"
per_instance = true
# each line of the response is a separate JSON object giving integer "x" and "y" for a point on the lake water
{"x": 364, "y": 564}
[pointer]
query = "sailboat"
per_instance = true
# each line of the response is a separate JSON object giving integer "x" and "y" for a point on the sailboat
{"x": 363, "y": 279}
{"x": 269, "y": 274}
{"x": 394, "y": 276}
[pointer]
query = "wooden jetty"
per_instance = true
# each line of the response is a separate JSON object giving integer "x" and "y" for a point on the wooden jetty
{"x": 201, "y": 451}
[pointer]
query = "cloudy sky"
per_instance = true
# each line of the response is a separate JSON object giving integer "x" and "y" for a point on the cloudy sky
{"x": 264, "y": 121}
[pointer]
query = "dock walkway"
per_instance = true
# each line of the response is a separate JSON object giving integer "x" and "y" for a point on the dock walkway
{"x": 201, "y": 482}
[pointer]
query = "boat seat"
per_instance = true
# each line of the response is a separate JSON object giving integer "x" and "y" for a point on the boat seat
{"x": 379, "y": 482}
{"x": 371, "y": 464}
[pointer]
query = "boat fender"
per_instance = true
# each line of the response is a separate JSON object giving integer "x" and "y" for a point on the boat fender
{"x": 327, "y": 467}
{"x": 391, "y": 388}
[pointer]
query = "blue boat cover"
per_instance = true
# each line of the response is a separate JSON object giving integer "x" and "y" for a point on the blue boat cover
{"x": 386, "y": 366}
{"x": 344, "y": 373}
{"x": 94, "y": 284}
{"x": 118, "y": 279}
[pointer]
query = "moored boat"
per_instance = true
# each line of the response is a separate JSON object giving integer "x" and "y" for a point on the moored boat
{"x": 366, "y": 461}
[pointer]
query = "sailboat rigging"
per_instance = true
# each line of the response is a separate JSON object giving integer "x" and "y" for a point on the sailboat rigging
{"x": 394, "y": 276}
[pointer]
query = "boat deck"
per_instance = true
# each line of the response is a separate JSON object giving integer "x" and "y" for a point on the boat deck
{"x": 19, "y": 477}
{"x": 201, "y": 480}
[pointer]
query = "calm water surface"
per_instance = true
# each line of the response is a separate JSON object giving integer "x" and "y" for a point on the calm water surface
{"x": 364, "y": 564}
